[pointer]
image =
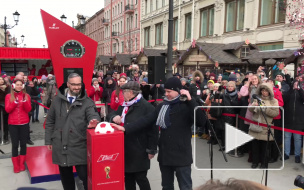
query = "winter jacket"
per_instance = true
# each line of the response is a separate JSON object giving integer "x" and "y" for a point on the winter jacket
{"x": 140, "y": 143}
{"x": 108, "y": 89}
{"x": 230, "y": 99}
{"x": 175, "y": 142}
{"x": 66, "y": 127}
{"x": 18, "y": 110}
{"x": 278, "y": 95}
{"x": 96, "y": 95}
{"x": 270, "y": 113}
{"x": 157, "y": 93}
{"x": 43, "y": 71}
{"x": 294, "y": 109}
{"x": 114, "y": 105}
{"x": 196, "y": 90}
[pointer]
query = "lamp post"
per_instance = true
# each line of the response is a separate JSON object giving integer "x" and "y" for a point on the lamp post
{"x": 63, "y": 18}
{"x": 82, "y": 23}
{"x": 16, "y": 43}
{"x": 170, "y": 41}
{"x": 6, "y": 26}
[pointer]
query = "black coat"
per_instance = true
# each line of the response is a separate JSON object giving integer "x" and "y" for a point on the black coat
{"x": 193, "y": 91}
{"x": 294, "y": 109}
{"x": 157, "y": 93}
{"x": 175, "y": 142}
{"x": 140, "y": 143}
{"x": 108, "y": 89}
{"x": 145, "y": 90}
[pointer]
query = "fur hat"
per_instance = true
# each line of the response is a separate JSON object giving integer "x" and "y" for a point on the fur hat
{"x": 173, "y": 83}
{"x": 198, "y": 73}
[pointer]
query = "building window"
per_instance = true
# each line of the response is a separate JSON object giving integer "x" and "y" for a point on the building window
{"x": 114, "y": 48}
{"x": 163, "y": 3}
{"x": 147, "y": 37}
{"x": 131, "y": 20}
{"x": 146, "y": 6}
{"x": 121, "y": 7}
{"x": 156, "y": 4}
{"x": 135, "y": 44}
{"x": 188, "y": 26}
{"x": 270, "y": 46}
{"x": 121, "y": 27}
{"x": 207, "y": 21}
{"x": 128, "y": 24}
{"x": 175, "y": 29}
{"x": 118, "y": 9}
{"x": 271, "y": 12}
{"x": 245, "y": 51}
{"x": 122, "y": 47}
{"x": 235, "y": 11}
{"x": 151, "y": 6}
{"x": 159, "y": 34}
{"x": 135, "y": 20}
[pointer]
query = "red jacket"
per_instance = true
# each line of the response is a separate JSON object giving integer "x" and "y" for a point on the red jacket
{"x": 42, "y": 71}
{"x": 96, "y": 95}
{"x": 278, "y": 95}
{"x": 18, "y": 112}
{"x": 114, "y": 105}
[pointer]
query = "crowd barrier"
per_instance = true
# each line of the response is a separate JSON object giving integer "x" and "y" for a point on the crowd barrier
{"x": 224, "y": 114}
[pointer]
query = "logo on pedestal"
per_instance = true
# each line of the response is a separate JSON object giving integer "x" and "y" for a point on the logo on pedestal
{"x": 107, "y": 157}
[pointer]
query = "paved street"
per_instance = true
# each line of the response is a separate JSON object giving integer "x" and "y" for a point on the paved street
{"x": 277, "y": 180}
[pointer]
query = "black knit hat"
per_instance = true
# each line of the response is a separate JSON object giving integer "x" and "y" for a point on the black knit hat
{"x": 173, "y": 83}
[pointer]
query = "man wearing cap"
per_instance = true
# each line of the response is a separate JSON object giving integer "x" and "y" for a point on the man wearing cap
{"x": 283, "y": 85}
{"x": 175, "y": 118}
{"x": 140, "y": 146}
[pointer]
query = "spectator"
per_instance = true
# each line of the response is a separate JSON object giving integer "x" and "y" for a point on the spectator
{"x": 115, "y": 76}
{"x": 109, "y": 87}
{"x": 17, "y": 105}
{"x": 33, "y": 70}
{"x": 293, "y": 109}
{"x": 283, "y": 85}
{"x": 145, "y": 88}
{"x": 25, "y": 79}
{"x": 265, "y": 92}
{"x": 196, "y": 89}
{"x": 96, "y": 93}
{"x": 42, "y": 71}
{"x": 65, "y": 133}
{"x": 4, "y": 90}
{"x": 37, "y": 97}
{"x": 157, "y": 92}
{"x": 140, "y": 147}
{"x": 117, "y": 96}
{"x": 43, "y": 94}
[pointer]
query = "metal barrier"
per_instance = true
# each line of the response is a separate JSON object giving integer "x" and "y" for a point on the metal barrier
{"x": 235, "y": 150}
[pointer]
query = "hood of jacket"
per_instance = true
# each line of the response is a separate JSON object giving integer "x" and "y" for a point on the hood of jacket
{"x": 200, "y": 74}
{"x": 265, "y": 86}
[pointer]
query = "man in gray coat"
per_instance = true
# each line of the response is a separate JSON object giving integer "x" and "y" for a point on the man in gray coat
{"x": 71, "y": 113}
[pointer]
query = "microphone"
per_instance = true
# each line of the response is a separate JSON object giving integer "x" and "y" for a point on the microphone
{"x": 254, "y": 96}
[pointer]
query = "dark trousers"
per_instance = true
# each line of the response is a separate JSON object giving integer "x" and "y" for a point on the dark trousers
{"x": 35, "y": 112}
{"x": 19, "y": 134}
{"x": 5, "y": 126}
{"x": 278, "y": 137}
{"x": 259, "y": 150}
{"x": 137, "y": 177}
{"x": 183, "y": 175}
{"x": 67, "y": 176}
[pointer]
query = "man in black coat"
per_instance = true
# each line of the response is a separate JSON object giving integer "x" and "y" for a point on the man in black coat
{"x": 175, "y": 118}
{"x": 140, "y": 146}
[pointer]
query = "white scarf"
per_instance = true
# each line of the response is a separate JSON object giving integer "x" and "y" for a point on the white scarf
{"x": 126, "y": 106}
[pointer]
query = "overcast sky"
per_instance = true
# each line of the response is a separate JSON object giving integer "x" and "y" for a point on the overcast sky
{"x": 30, "y": 22}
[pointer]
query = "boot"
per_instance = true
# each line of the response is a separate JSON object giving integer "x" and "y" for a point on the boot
{"x": 15, "y": 161}
{"x": 22, "y": 160}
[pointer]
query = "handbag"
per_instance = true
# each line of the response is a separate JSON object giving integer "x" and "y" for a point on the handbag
{"x": 255, "y": 128}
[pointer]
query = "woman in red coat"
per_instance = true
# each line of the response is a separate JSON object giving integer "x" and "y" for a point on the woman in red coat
{"x": 117, "y": 97}
{"x": 18, "y": 105}
{"x": 96, "y": 92}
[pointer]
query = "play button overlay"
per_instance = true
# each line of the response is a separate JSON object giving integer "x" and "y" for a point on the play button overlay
{"x": 235, "y": 138}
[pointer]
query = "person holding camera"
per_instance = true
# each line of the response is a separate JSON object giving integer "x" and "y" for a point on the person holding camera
{"x": 18, "y": 105}
{"x": 265, "y": 92}
{"x": 293, "y": 112}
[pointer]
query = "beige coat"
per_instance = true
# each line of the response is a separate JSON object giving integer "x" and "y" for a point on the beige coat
{"x": 269, "y": 112}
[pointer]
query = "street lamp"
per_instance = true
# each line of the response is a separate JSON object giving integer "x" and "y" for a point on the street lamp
{"x": 82, "y": 20}
{"x": 6, "y": 27}
{"x": 63, "y": 18}
{"x": 16, "y": 43}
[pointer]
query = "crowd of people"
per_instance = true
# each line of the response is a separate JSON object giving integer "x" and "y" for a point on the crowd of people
{"x": 129, "y": 101}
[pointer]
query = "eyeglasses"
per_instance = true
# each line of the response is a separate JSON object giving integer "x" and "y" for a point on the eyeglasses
{"x": 73, "y": 84}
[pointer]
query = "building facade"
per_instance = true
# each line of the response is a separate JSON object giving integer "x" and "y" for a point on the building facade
{"x": 261, "y": 22}
{"x": 121, "y": 27}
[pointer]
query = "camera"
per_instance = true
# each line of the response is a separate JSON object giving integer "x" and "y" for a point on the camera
{"x": 211, "y": 97}
{"x": 299, "y": 181}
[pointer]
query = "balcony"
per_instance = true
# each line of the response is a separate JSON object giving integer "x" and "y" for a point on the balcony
{"x": 129, "y": 9}
{"x": 105, "y": 21}
{"x": 115, "y": 33}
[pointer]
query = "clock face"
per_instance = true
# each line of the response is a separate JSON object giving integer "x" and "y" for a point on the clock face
{"x": 72, "y": 49}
